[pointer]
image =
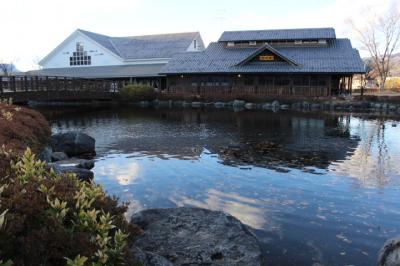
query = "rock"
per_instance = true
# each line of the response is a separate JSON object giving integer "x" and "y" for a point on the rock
{"x": 45, "y": 154}
{"x": 250, "y": 106}
{"x": 266, "y": 106}
{"x": 238, "y": 103}
{"x": 73, "y": 144}
{"x": 149, "y": 258}
{"x": 82, "y": 174}
{"x": 306, "y": 105}
{"x": 285, "y": 106}
{"x": 186, "y": 104}
{"x": 296, "y": 106}
{"x": 80, "y": 163}
{"x": 219, "y": 104}
{"x": 209, "y": 104}
{"x": 392, "y": 107}
{"x": 194, "y": 236}
{"x": 316, "y": 106}
{"x": 177, "y": 103}
{"x": 275, "y": 105}
{"x": 389, "y": 255}
{"x": 58, "y": 156}
{"x": 377, "y": 106}
{"x": 197, "y": 104}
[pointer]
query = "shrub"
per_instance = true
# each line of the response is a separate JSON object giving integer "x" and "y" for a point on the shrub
{"x": 52, "y": 219}
{"x": 137, "y": 92}
{"x": 22, "y": 127}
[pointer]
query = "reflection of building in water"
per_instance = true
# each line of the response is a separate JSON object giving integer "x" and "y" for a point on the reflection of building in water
{"x": 375, "y": 162}
{"x": 298, "y": 139}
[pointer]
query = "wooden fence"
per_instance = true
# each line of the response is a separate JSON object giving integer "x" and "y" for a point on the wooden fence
{"x": 46, "y": 88}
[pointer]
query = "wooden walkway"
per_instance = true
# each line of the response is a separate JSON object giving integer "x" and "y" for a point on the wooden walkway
{"x": 22, "y": 89}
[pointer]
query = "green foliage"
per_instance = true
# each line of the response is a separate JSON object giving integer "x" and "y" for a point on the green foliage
{"x": 51, "y": 219}
{"x": 137, "y": 92}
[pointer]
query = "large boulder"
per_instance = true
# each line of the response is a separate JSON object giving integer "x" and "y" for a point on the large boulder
{"x": 194, "y": 236}
{"x": 73, "y": 144}
{"x": 80, "y": 163}
{"x": 58, "y": 156}
{"x": 149, "y": 258}
{"x": 81, "y": 173}
{"x": 389, "y": 255}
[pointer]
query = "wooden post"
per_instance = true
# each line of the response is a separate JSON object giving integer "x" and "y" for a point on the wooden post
{"x": 1, "y": 84}
{"x": 362, "y": 85}
{"x": 13, "y": 86}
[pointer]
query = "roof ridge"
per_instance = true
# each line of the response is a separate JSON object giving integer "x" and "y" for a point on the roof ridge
{"x": 321, "y": 28}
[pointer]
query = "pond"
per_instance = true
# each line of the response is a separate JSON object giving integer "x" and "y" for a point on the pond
{"x": 318, "y": 188}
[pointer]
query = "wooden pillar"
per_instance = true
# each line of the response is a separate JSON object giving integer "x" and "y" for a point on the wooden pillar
{"x": 329, "y": 86}
{"x": 362, "y": 85}
{"x": 47, "y": 83}
{"x": 1, "y": 84}
{"x": 13, "y": 85}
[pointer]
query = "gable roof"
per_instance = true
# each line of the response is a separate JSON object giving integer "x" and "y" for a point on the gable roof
{"x": 147, "y": 46}
{"x": 285, "y": 34}
{"x": 338, "y": 57}
{"x": 267, "y": 47}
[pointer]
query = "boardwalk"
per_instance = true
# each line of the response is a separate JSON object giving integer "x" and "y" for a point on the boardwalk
{"x": 23, "y": 89}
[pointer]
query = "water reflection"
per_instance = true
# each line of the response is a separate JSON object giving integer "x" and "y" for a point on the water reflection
{"x": 319, "y": 188}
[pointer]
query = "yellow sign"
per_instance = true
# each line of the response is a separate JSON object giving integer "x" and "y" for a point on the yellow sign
{"x": 267, "y": 58}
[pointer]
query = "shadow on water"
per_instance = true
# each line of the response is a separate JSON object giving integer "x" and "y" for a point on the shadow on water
{"x": 318, "y": 188}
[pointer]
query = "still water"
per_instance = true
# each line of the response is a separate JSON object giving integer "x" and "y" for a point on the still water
{"x": 319, "y": 189}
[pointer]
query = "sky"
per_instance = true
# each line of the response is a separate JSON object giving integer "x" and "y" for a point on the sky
{"x": 33, "y": 28}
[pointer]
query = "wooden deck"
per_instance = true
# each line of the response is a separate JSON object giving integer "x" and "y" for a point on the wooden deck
{"x": 23, "y": 89}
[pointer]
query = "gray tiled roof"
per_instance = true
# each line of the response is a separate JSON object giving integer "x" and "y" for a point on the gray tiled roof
{"x": 119, "y": 71}
{"x": 145, "y": 47}
{"x": 286, "y": 34}
{"x": 337, "y": 57}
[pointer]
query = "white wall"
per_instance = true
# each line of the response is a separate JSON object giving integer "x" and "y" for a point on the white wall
{"x": 99, "y": 55}
{"x": 199, "y": 44}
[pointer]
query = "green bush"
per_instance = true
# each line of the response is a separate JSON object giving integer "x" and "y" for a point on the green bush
{"x": 52, "y": 219}
{"x": 137, "y": 92}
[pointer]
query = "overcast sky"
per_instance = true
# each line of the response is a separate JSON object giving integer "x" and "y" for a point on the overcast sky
{"x": 32, "y": 28}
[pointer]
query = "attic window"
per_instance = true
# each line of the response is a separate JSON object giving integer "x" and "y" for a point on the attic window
{"x": 252, "y": 43}
{"x": 195, "y": 44}
{"x": 231, "y": 44}
{"x": 80, "y": 57}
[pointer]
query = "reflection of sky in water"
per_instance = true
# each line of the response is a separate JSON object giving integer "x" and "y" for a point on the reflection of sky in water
{"x": 338, "y": 214}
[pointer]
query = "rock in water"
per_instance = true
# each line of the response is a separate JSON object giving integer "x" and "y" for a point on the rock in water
{"x": 73, "y": 143}
{"x": 194, "y": 236}
{"x": 81, "y": 173}
{"x": 150, "y": 258}
{"x": 58, "y": 156}
{"x": 389, "y": 255}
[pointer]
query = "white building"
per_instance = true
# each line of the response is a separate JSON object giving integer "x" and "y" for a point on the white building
{"x": 92, "y": 55}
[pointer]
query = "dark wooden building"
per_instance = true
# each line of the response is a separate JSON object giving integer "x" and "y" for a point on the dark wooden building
{"x": 286, "y": 63}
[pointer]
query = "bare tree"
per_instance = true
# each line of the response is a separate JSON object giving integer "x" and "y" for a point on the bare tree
{"x": 6, "y": 69}
{"x": 381, "y": 37}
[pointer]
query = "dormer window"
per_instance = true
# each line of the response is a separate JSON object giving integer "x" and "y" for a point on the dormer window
{"x": 252, "y": 43}
{"x": 230, "y": 44}
{"x": 80, "y": 57}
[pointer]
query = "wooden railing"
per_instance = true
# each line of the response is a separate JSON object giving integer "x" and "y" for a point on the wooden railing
{"x": 25, "y": 88}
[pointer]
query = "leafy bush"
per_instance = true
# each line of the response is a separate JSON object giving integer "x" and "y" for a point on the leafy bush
{"x": 22, "y": 127}
{"x": 52, "y": 219}
{"x": 137, "y": 92}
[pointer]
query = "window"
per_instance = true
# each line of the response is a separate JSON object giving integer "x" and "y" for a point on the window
{"x": 298, "y": 42}
{"x": 195, "y": 44}
{"x": 301, "y": 81}
{"x": 231, "y": 44}
{"x": 282, "y": 81}
{"x": 249, "y": 81}
{"x": 252, "y": 43}
{"x": 266, "y": 81}
{"x": 80, "y": 57}
{"x": 318, "y": 81}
